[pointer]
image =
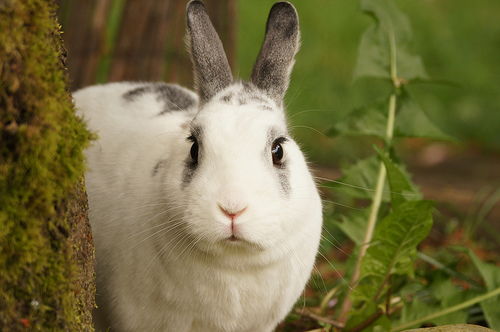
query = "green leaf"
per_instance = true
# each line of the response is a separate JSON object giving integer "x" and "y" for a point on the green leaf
{"x": 354, "y": 225}
{"x": 411, "y": 121}
{"x": 365, "y": 121}
{"x": 391, "y": 27}
{"x": 491, "y": 276}
{"x": 359, "y": 180}
{"x": 401, "y": 187}
{"x": 440, "y": 294}
{"x": 393, "y": 249}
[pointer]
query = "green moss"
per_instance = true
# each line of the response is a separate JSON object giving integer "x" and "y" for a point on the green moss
{"x": 41, "y": 164}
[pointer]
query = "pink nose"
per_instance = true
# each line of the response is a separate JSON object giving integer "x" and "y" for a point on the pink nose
{"x": 232, "y": 214}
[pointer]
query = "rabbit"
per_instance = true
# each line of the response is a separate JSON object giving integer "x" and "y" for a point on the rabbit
{"x": 204, "y": 213}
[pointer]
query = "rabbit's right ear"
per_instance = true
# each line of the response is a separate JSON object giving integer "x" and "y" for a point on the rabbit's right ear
{"x": 211, "y": 68}
{"x": 272, "y": 69}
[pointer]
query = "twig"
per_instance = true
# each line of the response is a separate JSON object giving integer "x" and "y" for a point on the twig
{"x": 388, "y": 299}
{"x": 327, "y": 298}
{"x": 367, "y": 322}
{"x": 370, "y": 320}
{"x": 307, "y": 313}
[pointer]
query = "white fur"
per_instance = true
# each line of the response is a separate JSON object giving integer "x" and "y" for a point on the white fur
{"x": 163, "y": 263}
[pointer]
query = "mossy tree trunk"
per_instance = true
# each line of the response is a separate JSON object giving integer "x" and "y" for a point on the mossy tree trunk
{"x": 46, "y": 253}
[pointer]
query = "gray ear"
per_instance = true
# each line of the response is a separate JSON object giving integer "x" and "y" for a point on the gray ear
{"x": 211, "y": 68}
{"x": 272, "y": 69}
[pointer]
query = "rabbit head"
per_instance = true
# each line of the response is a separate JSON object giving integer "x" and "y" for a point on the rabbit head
{"x": 244, "y": 180}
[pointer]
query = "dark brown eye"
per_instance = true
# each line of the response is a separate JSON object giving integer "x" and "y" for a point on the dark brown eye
{"x": 194, "y": 149}
{"x": 277, "y": 150}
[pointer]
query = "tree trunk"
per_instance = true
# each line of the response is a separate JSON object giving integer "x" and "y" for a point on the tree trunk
{"x": 116, "y": 40}
{"x": 46, "y": 252}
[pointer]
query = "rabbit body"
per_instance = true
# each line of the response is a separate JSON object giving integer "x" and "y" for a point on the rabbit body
{"x": 204, "y": 214}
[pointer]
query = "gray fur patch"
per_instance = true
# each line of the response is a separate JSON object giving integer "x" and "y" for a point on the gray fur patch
{"x": 283, "y": 177}
{"x": 173, "y": 97}
{"x": 247, "y": 93}
{"x": 227, "y": 98}
{"x": 159, "y": 165}
{"x": 266, "y": 108}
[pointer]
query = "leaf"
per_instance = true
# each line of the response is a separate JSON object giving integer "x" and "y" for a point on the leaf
{"x": 359, "y": 180}
{"x": 440, "y": 294}
{"x": 401, "y": 187}
{"x": 364, "y": 121}
{"x": 491, "y": 276}
{"x": 374, "y": 55}
{"x": 393, "y": 249}
{"x": 411, "y": 121}
{"x": 354, "y": 225}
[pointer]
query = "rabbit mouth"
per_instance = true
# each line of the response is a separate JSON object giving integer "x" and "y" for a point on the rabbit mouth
{"x": 235, "y": 241}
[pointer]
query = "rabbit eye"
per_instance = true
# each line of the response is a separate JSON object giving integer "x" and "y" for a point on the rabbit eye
{"x": 277, "y": 150}
{"x": 194, "y": 149}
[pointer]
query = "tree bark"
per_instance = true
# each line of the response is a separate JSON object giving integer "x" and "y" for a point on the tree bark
{"x": 116, "y": 40}
{"x": 46, "y": 251}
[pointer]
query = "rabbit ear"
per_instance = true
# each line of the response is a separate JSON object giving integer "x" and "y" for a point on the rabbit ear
{"x": 272, "y": 69}
{"x": 211, "y": 68}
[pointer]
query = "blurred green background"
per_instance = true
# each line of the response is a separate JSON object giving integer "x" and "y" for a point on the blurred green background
{"x": 459, "y": 41}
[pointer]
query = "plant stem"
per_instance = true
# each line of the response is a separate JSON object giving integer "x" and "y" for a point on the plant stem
{"x": 449, "y": 310}
{"x": 379, "y": 188}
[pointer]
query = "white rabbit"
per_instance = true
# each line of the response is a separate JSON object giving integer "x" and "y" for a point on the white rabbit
{"x": 204, "y": 214}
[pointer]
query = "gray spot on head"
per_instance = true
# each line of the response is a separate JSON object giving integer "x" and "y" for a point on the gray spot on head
{"x": 243, "y": 93}
{"x": 283, "y": 177}
{"x": 189, "y": 170}
{"x": 173, "y": 97}
{"x": 159, "y": 165}
{"x": 227, "y": 97}
{"x": 266, "y": 108}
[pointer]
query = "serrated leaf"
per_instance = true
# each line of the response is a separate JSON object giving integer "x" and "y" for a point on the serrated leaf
{"x": 374, "y": 55}
{"x": 393, "y": 248}
{"x": 358, "y": 180}
{"x": 491, "y": 276}
{"x": 401, "y": 187}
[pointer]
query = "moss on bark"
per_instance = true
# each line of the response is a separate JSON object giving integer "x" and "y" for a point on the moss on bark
{"x": 46, "y": 254}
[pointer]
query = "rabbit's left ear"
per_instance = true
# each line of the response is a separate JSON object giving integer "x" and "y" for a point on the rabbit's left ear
{"x": 273, "y": 67}
{"x": 211, "y": 68}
